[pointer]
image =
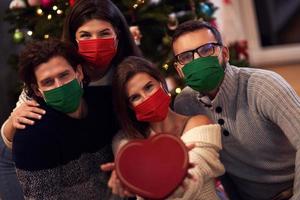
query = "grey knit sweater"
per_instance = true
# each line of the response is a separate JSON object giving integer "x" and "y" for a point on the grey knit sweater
{"x": 260, "y": 117}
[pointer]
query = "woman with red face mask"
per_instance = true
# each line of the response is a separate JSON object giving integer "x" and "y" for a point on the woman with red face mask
{"x": 101, "y": 34}
{"x": 142, "y": 103}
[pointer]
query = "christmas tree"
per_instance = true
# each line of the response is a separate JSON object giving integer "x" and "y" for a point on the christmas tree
{"x": 153, "y": 23}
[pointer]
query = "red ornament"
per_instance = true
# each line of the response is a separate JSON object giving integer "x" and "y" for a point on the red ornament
{"x": 241, "y": 48}
{"x": 71, "y": 2}
{"x": 227, "y": 1}
{"x": 46, "y": 3}
{"x": 153, "y": 168}
{"x": 33, "y": 2}
{"x": 213, "y": 22}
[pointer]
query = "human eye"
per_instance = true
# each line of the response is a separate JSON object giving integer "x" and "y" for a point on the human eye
{"x": 64, "y": 75}
{"x": 47, "y": 82}
{"x": 134, "y": 98}
{"x": 106, "y": 34}
{"x": 206, "y": 50}
{"x": 185, "y": 57}
{"x": 149, "y": 87}
{"x": 84, "y": 35}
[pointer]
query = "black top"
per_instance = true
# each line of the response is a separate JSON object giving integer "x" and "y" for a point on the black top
{"x": 66, "y": 148}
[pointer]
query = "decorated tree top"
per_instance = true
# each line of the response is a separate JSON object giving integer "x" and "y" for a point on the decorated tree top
{"x": 153, "y": 23}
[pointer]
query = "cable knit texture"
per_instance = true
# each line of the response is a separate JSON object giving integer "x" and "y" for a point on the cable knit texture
{"x": 260, "y": 116}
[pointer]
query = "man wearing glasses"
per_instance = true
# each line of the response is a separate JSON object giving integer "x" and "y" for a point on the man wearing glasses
{"x": 258, "y": 111}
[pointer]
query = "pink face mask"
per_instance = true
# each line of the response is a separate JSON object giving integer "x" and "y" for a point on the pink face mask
{"x": 155, "y": 108}
{"x": 98, "y": 52}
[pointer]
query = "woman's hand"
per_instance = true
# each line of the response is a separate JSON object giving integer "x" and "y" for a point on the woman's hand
{"x": 114, "y": 182}
{"x": 26, "y": 114}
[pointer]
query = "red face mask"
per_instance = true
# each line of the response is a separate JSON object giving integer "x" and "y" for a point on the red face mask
{"x": 98, "y": 52}
{"x": 155, "y": 108}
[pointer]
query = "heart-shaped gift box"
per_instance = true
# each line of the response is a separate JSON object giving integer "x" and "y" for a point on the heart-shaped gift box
{"x": 153, "y": 168}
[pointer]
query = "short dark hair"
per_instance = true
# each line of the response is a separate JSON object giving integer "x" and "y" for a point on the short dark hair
{"x": 125, "y": 71}
{"x": 38, "y": 52}
{"x": 85, "y": 10}
{"x": 194, "y": 25}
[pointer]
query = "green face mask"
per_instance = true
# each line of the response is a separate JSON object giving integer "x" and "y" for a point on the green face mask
{"x": 203, "y": 74}
{"x": 65, "y": 98}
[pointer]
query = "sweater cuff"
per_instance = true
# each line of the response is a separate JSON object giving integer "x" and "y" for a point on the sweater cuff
{"x": 210, "y": 134}
{"x": 5, "y": 140}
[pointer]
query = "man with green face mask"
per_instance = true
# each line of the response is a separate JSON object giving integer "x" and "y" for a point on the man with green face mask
{"x": 59, "y": 156}
{"x": 257, "y": 109}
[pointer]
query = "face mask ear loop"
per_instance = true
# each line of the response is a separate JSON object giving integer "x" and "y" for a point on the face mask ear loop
{"x": 220, "y": 53}
{"x": 79, "y": 81}
{"x": 165, "y": 89}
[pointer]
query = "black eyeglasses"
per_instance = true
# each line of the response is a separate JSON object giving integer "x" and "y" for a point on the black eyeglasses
{"x": 203, "y": 51}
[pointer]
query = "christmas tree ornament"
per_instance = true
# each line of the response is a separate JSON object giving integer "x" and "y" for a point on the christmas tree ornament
{"x": 172, "y": 21}
{"x": 206, "y": 9}
{"x": 136, "y": 34}
{"x": 166, "y": 40}
{"x": 46, "y": 3}
{"x": 17, "y": 4}
{"x": 33, "y": 2}
{"x": 213, "y": 22}
{"x": 71, "y": 2}
{"x": 18, "y": 36}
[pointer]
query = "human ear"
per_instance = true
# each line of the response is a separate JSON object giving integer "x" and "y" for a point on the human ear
{"x": 179, "y": 70}
{"x": 36, "y": 91}
{"x": 79, "y": 72}
{"x": 225, "y": 54}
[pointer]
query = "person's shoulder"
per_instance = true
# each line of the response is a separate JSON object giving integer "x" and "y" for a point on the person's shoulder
{"x": 187, "y": 94}
{"x": 258, "y": 74}
{"x": 186, "y": 91}
{"x": 49, "y": 122}
{"x": 262, "y": 80}
{"x": 197, "y": 120}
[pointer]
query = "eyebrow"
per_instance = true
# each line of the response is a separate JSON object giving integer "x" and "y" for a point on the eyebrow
{"x": 49, "y": 78}
{"x": 104, "y": 30}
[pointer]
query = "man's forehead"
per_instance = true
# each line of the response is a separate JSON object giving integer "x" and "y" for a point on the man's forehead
{"x": 192, "y": 40}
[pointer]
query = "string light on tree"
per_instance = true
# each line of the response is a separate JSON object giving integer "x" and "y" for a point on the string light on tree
{"x": 46, "y": 36}
{"x": 29, "y": 33}
{"x": 138, "y": 3}
{"x": 165, "y": 66}
{"x": 49, "y": 17}
{"x": 39, "y": 11}
{"x": 18, "y": 36}
{"x": 59, "y": 12}
{"x": 178, "y": 90}
{"x": 54, "y": 8}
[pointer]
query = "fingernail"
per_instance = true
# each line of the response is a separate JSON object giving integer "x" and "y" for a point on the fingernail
{"x": 44, "y": 112}
{"x": 40, "y": 116}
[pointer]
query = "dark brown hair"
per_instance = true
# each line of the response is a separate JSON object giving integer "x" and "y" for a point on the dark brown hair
{"x": 85, "y": 10}
{"x": 194, "y": 25}
{"x": 125, "y": 71}
{"x": 39, "y": 52}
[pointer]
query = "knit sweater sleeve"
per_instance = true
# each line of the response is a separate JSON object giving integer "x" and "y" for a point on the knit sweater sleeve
{"x": 205, "y": 156}
{"x": 276, "y": 101}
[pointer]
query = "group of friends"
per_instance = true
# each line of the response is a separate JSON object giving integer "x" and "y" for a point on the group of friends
{"x": 86, "y": 96}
